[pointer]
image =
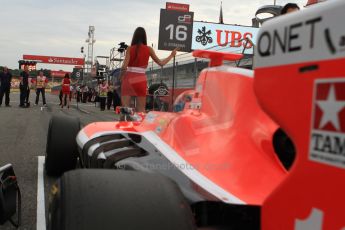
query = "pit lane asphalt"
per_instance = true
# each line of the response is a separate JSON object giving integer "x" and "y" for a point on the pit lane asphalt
{"x": 23, "y": 134}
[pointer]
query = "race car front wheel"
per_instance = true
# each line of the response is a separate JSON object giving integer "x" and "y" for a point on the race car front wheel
{"x": 61, "y": 149}
{"x": 86, "y": 199}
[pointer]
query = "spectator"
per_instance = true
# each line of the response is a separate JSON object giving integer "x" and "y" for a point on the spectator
{"x": 110, "y": 96}
{"x": 60, "y": 98}
{"x": 117, "y": 88}
{"x": 97, "y": 92}
{"x": 85, "y": 91}
{"x": 5, "y": 86}
{"x": 30, "y": 86}
{"x": 66, "y": 82}
{"x": 89, "y": 95}
{"x": 24, "y": 87}
{"x": 289, "y": 8}
{"x": 93, "y": 91}
{"x": 78, "y": 93}
{"x": 71, "y": 92}
{"x": 41, "y": 82}
{"x": 103, "y": 91}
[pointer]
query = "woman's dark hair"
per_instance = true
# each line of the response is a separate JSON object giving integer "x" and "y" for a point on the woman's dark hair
{"x": 139, "y": 38}
{"x": 66, "y": 75}
{"x": 289, "y": 6}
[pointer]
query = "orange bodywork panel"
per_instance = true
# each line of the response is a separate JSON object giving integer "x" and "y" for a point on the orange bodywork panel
{"x": 229, "y": 140}
{"x": 303, "y": 90}
{"x": 223, "y": 134}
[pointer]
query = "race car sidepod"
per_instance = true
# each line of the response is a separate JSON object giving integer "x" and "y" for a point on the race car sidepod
{"x": 300, "y": 63}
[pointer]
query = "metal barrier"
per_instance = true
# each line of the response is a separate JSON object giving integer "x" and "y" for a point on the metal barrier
{"x": 181, "y": 73}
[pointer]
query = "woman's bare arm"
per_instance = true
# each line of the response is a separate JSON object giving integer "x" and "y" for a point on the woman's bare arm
{"x": 125, "y": 63}
{"x": 164, "y": 61}
{"x": 127, "y": 57}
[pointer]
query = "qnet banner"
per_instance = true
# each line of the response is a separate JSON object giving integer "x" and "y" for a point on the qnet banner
{"x": 54, "y": 60}
{"x": 222, "y": 37}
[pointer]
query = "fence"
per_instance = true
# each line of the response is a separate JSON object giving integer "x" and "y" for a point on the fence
{"x": 181, "y": 73}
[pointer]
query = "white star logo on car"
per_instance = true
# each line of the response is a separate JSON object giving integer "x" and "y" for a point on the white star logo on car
{"x": 331, "y": 108}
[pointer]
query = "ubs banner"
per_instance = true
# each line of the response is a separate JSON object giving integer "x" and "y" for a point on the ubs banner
{"x": 175, "y": 30}
{"x": 223, "y": 37}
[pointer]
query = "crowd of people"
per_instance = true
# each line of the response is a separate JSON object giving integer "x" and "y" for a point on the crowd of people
{"x": 132, "y": 83}
{"x": 26, "y": 84}
{"x": 104, "y": 93}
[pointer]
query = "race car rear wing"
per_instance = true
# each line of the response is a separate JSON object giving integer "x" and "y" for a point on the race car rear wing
{"x": 300, "y": 83}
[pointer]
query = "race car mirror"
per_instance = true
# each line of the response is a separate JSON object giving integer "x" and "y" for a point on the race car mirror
{"x": 216, "y": 57}
{"x": 9, "y": 196}
{"x": 300, "y": 83}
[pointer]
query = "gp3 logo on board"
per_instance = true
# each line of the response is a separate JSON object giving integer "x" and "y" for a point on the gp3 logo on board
{"x": 186, "y": 19}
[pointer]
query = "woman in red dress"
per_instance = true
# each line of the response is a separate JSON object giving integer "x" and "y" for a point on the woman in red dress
{"x": 66, "y": 90}
{"x": 134, "y": 82}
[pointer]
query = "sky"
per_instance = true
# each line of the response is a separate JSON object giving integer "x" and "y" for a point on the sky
{"x": 60, "y": 28}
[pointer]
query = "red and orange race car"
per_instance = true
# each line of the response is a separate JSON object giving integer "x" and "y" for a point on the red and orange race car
{"x": 225, "y": 161}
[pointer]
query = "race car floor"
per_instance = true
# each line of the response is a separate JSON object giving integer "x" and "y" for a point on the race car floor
{"x": 23, "y": 134}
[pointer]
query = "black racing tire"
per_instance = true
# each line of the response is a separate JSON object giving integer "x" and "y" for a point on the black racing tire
{"x": 89, "y": 199}
{"x": 61, "y": 149}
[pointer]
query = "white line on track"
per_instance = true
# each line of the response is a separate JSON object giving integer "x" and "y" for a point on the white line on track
{"x": 41, "y": 214}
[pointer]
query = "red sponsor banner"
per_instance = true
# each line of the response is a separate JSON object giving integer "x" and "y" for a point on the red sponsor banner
{"x": 177, "y": 7}
{"x": 54, "y": 60}
{"x": 58, "y": 73}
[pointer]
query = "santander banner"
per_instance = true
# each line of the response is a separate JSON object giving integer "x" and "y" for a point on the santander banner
{"x": 222, "y": 37}
{"x": 54, "y": 60}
